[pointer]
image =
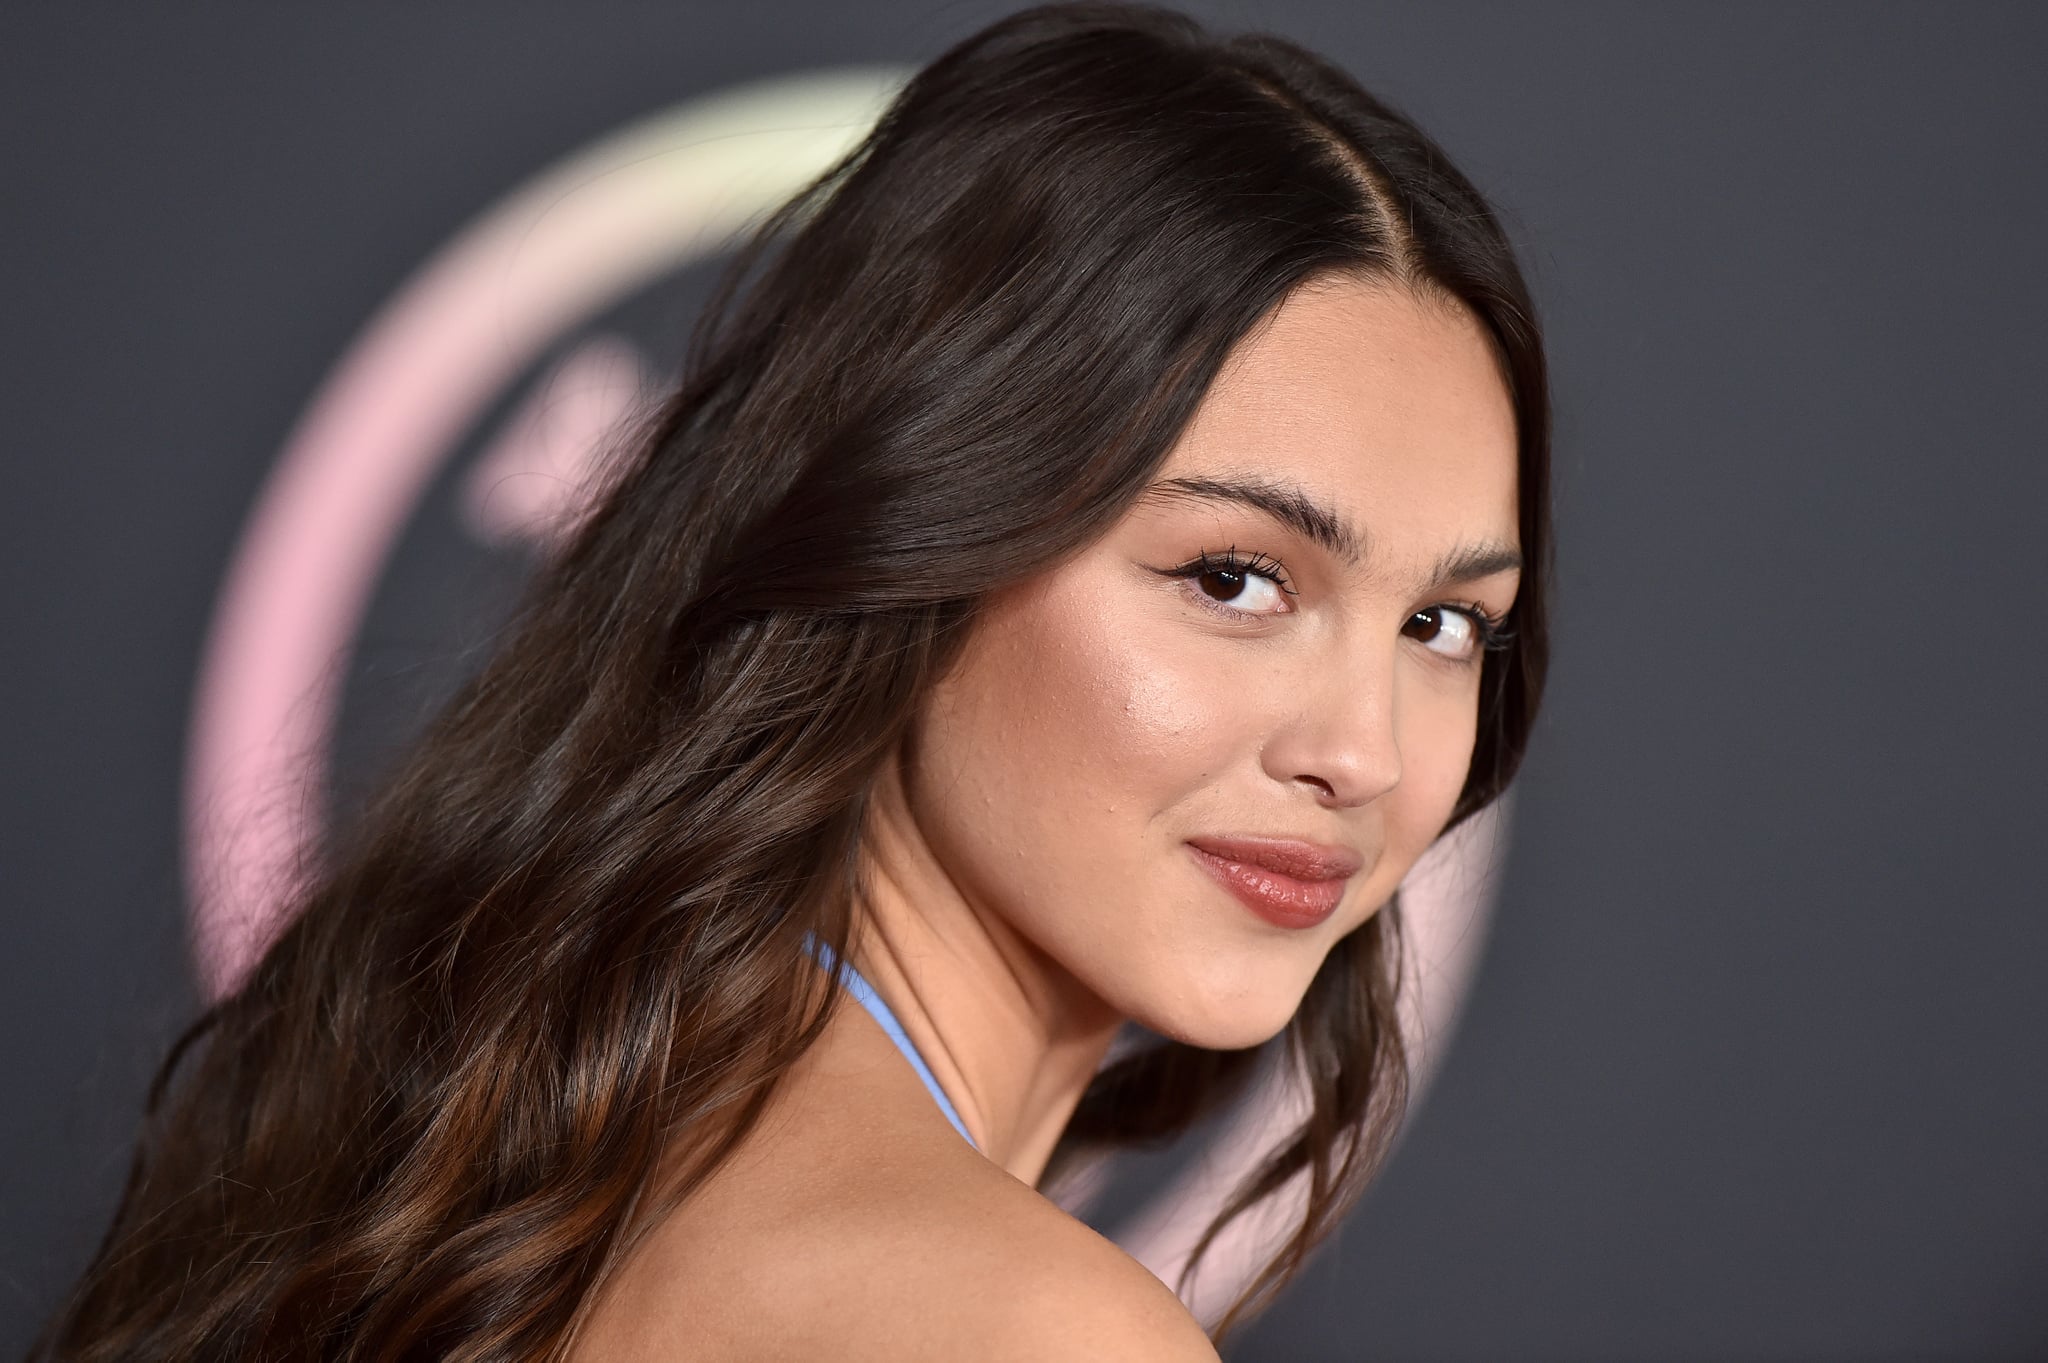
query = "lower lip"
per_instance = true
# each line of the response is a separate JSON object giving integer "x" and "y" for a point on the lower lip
{"x": 1279, "y": 899}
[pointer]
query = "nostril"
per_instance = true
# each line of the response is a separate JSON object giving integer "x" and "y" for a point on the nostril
{"x": 1320, "y": 784}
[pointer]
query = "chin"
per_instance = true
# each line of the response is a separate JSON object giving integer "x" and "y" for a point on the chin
{"x": 1223, "y": 1012}
{"x": 1222, "y": 1034}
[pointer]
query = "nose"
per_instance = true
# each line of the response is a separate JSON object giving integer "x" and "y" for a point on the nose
{"x": 1344, "y": 742}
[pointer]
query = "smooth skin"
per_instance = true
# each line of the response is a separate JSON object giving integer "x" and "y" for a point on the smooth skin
{"x": 1031, "y": 884}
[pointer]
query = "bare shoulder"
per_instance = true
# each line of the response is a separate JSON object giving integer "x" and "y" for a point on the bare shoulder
{"x": 968, "y": 1264}
{"x": 854, "y": 1224}
{"x": 1075, "y": 1294}
{"x": 986, "y": 1268}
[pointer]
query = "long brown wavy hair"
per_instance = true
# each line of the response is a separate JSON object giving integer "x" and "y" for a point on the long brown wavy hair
{"x": 565, "y": 936}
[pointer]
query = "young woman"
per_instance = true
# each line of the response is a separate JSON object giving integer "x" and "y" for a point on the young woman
{"x": 1097, "y": 554}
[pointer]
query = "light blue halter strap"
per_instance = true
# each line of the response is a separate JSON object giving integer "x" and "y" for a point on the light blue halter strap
{"x": 856, "y": 984}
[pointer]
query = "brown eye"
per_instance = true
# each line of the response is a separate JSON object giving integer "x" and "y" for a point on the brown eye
{"x": 1221, "y": 584}
{"x": 1451, "y": 633}
{"x": 1237, "y": 586}
{"x": 1243, "y": 590}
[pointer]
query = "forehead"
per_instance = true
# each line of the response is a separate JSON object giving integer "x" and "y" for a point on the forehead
{"x": 1387, "y": 407}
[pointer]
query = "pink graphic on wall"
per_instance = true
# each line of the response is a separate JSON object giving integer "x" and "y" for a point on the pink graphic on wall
{"x": 581, "y": 236}
{"x": 540, "y": 471}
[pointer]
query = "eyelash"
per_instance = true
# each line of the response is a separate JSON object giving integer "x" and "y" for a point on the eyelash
{"x": 1493, "y": 630}
{"x": 1230, "y": 561}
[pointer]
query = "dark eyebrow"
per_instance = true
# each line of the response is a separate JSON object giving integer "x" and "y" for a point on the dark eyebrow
{"x": 1472, "y": 562}
{"x": 1287, "y": 504}
{"x": 1310, "y": 518}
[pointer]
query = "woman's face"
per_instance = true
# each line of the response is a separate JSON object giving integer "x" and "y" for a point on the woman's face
{"x": 1350, "y": 476}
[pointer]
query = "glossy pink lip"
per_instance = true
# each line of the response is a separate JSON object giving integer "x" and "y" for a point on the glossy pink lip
{"x": 1286, "y": 881}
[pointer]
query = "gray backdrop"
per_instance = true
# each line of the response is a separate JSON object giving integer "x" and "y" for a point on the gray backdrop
{"x": 1749, "y": 1069}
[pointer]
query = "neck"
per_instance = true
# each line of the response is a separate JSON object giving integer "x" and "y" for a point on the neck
{"x": 1012, "y": 1037}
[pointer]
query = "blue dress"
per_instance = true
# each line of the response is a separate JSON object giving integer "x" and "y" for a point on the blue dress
{"x": 856, "y": 984}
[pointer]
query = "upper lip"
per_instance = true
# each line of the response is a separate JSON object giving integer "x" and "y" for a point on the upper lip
{"x": 1296, "y": 857}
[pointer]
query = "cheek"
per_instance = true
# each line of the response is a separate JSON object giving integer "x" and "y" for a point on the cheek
{"x": 1068, "y": 726}
{"x": 1437, "y": 732}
